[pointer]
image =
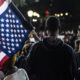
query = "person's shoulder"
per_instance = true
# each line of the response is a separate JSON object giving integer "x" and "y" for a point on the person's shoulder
{"x": 68, "y": 47}
{"x": 37, "y": 44}
{"x": 21, "y": 70}
{"x": 18, "y": 75}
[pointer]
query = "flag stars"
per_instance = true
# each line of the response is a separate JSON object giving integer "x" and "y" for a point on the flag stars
{"x": 9, "y": 48}
{"x": 14, "y": 21}
{"x": 22, "y": 35}
{"x": 14, "y": 26}
{"x": 17, "y": 45}
{"x": 7, "y": 20}
{"x": 8, "y": 44}
{"x": 12, "y": 35}
{"x": 13, "y": 16}
{"x": 17, "y": 26}
{"x": 22, "y": 31}
{"x": 2, "y": 34}
{"x": 2, "y": 25}
{"x": 3, "y": 43}
{"x": 17, "y": 21}
{"x": 7, "y": 25}
{"x": 7, "y": 39}
{"x": 12, "y": 30}
{"x": 15, "y": 31}
{"x": 7, "y": 30}
{"x": 3, "y": 39}
{"x": 11, "y": 25}
{"x": 7, "y": 15}
{"x": 19, "y": 35}
{"x": 13, "y": 49}
{"x": 15, "y": 35}
{"x": 2, "y": 20}
{"x": 9, "y": 51}
{"x": 12, "y": 44}
{"x": 4, "y": 47}
{"x": 9, "y": 11}
{"x": 7, "y": 35}
{"x": 25, "y": 31}
{"x": 21, "y": 26}
{"x": 18, "y": 30}
{"x": 10, "y": 20}
{"x": 16, "y": 40}
{"x": 20, "y": 40}
{"x": 2, "y": 29}
{"x": 12, "y": 40}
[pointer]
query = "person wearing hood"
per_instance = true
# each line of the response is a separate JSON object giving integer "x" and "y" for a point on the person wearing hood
{"x": 51, "y": 59}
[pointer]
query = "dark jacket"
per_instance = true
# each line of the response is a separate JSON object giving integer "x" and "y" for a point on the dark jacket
{"x": 51, "y": 60}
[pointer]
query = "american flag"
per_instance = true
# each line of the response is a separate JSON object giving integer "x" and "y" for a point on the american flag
{"x": 12, "y": 30}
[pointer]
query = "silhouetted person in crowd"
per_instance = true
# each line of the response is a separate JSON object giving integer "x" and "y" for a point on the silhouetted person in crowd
{"x": 74, "y": 38}
{"x": 51, "y": 59}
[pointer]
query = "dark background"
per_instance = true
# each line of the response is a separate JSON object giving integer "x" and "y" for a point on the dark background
{"x": 55, "y": 6}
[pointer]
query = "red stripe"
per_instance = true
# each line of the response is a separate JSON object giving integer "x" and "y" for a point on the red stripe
{"x": 1, "y": 2}
{"x": 3, "y": 60}
{"x": 0, "y": 51}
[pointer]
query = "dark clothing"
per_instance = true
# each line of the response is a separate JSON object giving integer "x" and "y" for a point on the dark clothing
{"x": 72, "y": 41}
{"x": 51, "y": 60}
{"x": 78, "y": 63}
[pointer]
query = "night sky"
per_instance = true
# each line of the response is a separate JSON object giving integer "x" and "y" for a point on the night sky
{"x": 56, "y": 6}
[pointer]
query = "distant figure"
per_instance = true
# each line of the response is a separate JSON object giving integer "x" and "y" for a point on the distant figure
{"x": 51, "y": 59}
{"x": 77, "y": 51}
{"x": 74, "y": 38}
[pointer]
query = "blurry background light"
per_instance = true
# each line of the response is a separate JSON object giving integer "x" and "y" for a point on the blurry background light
{"x": 34, "y": 20}
{"x": 55, "y": 14}
{"x": 58, "y": 15}
{"x": 34, "y": 13}
{"x": 61, "y": 14}
{"x": 47, "y": 12}
{"x": 30, "y": 13}
{"x": 38, "y": 15}
{"x": 66, "y": 13}
{"x": 36, "y": 1}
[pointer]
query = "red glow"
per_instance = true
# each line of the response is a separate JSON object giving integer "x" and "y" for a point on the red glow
{"x": 47, "y": 12}
{"x": 70, "y": 15}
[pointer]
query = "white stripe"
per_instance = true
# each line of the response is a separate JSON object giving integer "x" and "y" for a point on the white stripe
{"x": 4, "y": 6}
{"x": 2, "y": 55}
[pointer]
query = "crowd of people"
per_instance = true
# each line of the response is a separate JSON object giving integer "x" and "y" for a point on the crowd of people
{"x": 45, "y": 57}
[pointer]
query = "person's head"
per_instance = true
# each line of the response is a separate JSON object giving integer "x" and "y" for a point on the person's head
{"x": 52, "y": 25}
{"x": 75, "y": 32}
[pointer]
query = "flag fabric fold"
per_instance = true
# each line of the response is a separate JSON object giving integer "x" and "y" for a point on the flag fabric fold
{"x": 14, "y": 30}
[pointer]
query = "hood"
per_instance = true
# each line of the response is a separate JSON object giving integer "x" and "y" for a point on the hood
{"x": 52, "y": 43}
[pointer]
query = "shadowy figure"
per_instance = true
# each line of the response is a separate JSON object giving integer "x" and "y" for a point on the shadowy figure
{"x": 51, "y": 59}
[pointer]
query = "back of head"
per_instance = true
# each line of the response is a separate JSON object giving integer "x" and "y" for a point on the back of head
{"x": 52, "y": 24}
{"x": 75, "y": 32}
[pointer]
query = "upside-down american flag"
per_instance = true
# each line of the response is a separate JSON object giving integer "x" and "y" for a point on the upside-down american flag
{"x": 14, "y": 29}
